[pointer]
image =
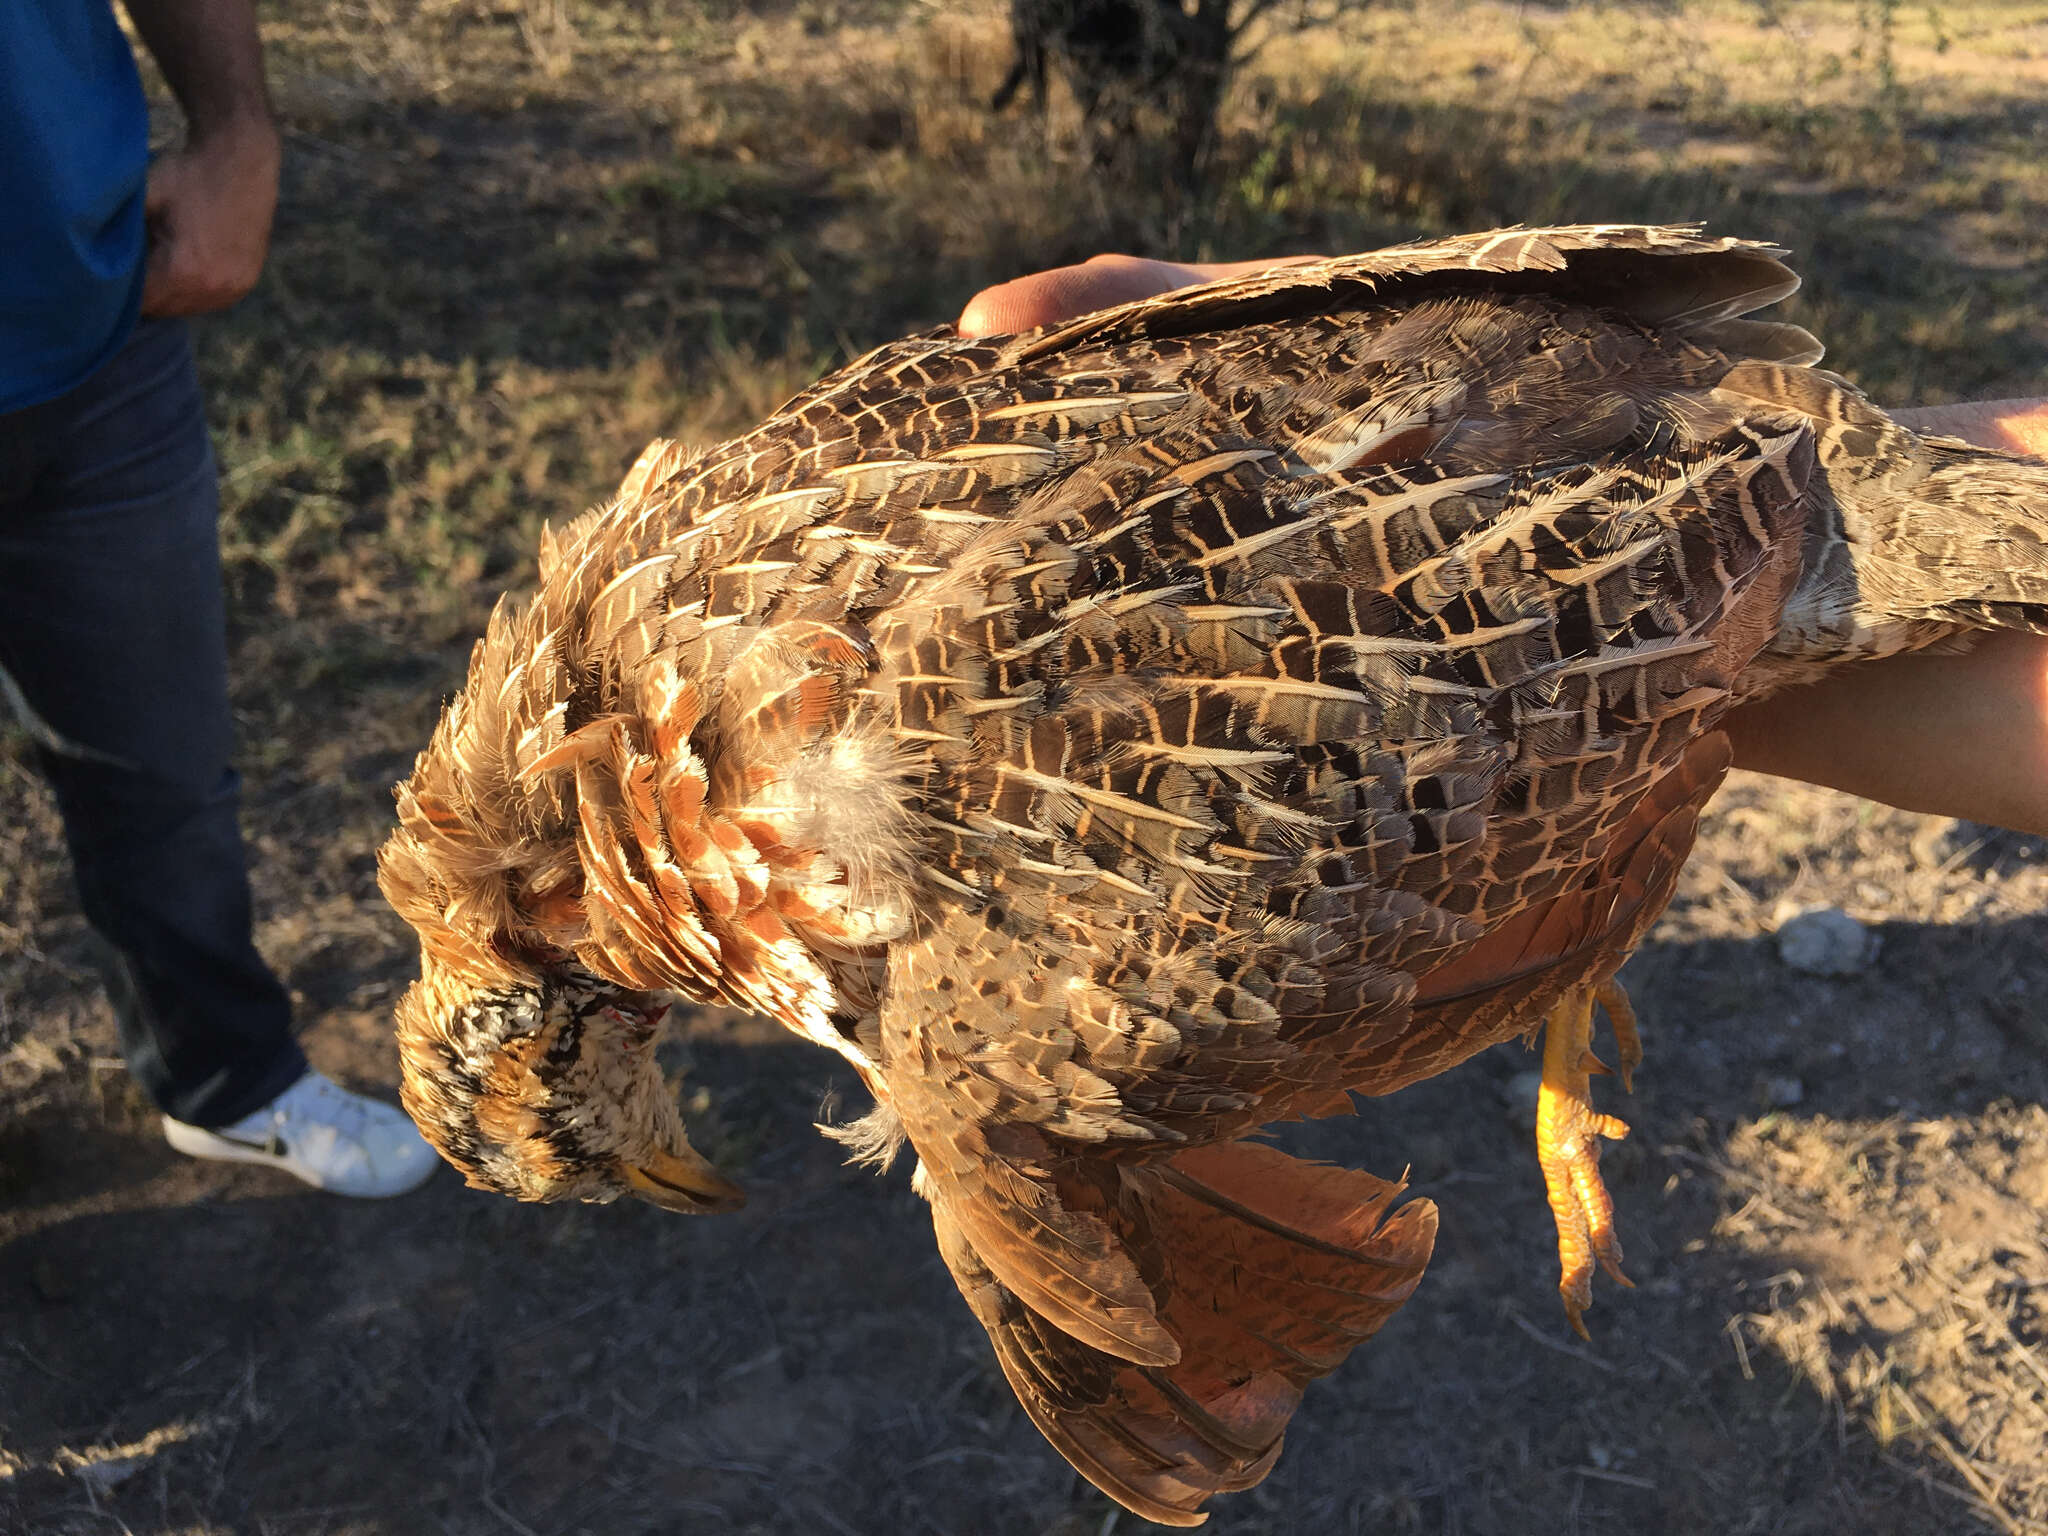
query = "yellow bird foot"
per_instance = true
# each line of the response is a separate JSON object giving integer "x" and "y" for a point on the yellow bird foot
{"x": 1568, "y": 1136}
{"x": 1621, "y": 1018}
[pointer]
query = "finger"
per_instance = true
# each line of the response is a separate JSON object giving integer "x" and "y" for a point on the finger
{"x": 1026, "y": 303}
{"x": 1063, "y": 292}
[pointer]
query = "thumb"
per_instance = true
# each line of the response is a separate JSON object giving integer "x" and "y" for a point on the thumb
{"x": 1025, "y": 303}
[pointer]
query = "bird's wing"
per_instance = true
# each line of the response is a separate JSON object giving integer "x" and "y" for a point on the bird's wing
{"x": 1159, "y": 1319}
{"x": 1176, "y": 914}
{"x": 1301, "y": 744}
{"x": 1282, "y": 744}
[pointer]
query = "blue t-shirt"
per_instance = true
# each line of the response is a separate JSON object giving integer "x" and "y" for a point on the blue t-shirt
{"x": 74, "y": 155}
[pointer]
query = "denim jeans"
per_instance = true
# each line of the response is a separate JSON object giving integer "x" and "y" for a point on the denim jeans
{"x": 112, "y": 627}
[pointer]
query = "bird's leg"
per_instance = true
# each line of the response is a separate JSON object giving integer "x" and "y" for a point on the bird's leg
{"x": 1568, "y": 1135}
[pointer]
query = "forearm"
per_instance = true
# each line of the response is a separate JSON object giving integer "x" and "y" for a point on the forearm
{"x": 212, "y": 58}
{"x": 1963, "y": 735}
{"x": 2017, "y": 426}
{"x": 211, "y": 202}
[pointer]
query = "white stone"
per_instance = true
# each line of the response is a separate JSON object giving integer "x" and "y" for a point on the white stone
{"x": 1825, "y": 941}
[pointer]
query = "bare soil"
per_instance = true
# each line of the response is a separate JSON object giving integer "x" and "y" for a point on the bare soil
{"x": 519, "y": 239}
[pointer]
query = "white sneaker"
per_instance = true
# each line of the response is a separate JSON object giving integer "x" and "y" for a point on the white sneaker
{"x": 320, "y": 1132}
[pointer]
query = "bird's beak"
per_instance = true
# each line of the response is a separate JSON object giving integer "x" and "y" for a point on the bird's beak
{"x": 683, "y": 1181}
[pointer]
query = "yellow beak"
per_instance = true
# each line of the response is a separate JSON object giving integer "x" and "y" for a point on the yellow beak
{"x": 683, "y": 1182}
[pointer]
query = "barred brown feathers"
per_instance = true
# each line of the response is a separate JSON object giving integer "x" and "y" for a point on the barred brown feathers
{"x": 1117, "y": 738}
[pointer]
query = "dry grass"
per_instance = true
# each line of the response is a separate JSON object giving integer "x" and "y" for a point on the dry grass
{"x": 519, "y": 237}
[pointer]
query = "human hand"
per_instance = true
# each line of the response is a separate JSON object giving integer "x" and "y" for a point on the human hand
{"x": 209, "y": 207}
{"x": 1957, "y": 735}
{"x": 1044, "y": 298}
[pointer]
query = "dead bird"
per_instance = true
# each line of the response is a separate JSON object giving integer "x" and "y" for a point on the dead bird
{"x": 1116, "y": 738}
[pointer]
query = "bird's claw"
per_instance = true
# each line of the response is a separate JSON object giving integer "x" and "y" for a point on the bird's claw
{"x": 1584, "y": 1212}
{"x": 1568, "y": 1136}
{"x": 1628, "y": 1040}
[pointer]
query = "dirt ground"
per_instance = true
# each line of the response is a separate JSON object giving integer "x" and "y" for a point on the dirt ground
{"x": 517, "y": 239}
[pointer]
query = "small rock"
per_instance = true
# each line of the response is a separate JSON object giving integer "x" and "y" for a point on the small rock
{"x": 1783, "y": 1092}
{"x": 1825, "y": 941}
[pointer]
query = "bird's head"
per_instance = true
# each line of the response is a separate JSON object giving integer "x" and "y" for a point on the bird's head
{"x": 546, "y": 1088}
{"x": 628, "y": 801}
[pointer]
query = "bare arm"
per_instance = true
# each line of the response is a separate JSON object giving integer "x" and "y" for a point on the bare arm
{"x": 210, "y": 203}
{"x": 2017, "y": 426}
{"x": 1963, "y": 735}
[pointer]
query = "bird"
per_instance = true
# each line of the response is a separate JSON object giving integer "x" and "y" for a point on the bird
{"x": 1117, "y": 738}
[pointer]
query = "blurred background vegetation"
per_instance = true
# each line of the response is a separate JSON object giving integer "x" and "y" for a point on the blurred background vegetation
{"x": 521, "y": 236}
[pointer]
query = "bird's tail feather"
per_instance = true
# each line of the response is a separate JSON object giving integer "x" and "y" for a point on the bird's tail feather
{"x": 1975, "y": 535}
{"x": 1268, "y": 1272}
{"x": 1911, "y": 539}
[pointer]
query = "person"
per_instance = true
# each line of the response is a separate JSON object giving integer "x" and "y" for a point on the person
{"x": 1962, "y": 735}
{"x": 112, "y": 628}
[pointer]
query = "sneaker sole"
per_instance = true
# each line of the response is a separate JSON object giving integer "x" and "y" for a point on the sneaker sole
{"x": 196, "y": 1141}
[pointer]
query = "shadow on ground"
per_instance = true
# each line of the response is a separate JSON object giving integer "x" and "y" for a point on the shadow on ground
{"x": 201, "y": 1346}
